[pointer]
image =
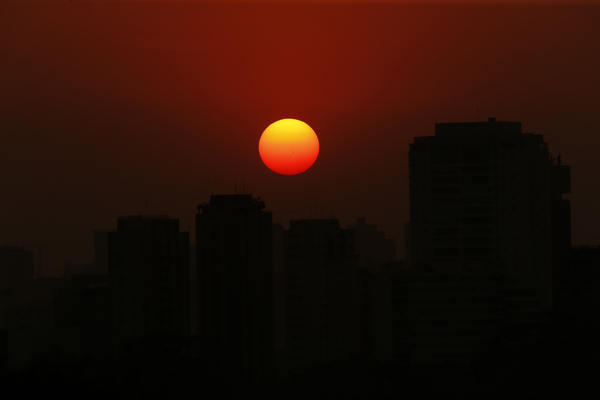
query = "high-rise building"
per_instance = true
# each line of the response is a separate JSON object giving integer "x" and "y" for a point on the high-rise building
{"x": 236, "y": 301}
{"x": 481, "y": 200}
{"x": 487, "y": 227}
{"x": 148, "y": 272}
{"x": 325, "y": 308}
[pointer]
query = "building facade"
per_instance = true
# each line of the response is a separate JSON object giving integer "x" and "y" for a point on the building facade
{"x": 236, "y": 302}
{"x": 486, "y": 207}
{"x": 481, "y": 196}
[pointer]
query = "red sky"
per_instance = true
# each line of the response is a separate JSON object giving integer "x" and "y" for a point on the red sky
{"x": 106, "y": 104}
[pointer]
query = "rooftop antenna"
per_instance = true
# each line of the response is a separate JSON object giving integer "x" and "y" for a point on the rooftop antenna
{"x": 235, "y": 182}
{"x": 215, "y": 185}
{"x": 243, "y": 183}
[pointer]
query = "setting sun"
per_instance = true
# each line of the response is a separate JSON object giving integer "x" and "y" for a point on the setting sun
{"x": 288, "y": 146}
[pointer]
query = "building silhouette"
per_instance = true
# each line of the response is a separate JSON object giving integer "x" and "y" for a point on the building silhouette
{"x": 236, "y": 301}
{"x": 481, "y": 196}
{"x": 148, "y": 273}
{"x": 325, "y": 304}
{"x": 485, "y": 208}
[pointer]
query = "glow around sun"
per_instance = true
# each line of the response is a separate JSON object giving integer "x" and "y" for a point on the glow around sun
{"x": 288, "y": 146}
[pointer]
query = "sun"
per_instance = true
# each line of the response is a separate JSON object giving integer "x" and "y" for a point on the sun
{"x": 288, "y": 146}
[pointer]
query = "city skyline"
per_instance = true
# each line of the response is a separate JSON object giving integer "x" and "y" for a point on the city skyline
{"x": 311, "y": 213}
{"x": 299, "y": 199}
{"x": 122, "y": 109}
{"x": 257, "y": 307}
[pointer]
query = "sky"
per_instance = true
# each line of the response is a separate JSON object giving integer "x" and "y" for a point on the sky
{"x": 119, "y": 108}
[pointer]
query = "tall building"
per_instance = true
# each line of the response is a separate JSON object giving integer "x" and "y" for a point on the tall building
{"x": 481, "y": 200}
{"x": 148, "y": 273}
{"x": 325, "y": 308}
{"x": 16, "y": 266}
{"x": 236, "y": 301}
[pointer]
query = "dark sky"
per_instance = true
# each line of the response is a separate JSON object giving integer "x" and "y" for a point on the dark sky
{"x": 107, "y": 105}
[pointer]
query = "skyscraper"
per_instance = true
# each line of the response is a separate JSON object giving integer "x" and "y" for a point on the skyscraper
{"x": 148, "y": 278}
{"x": 481, "y": 201}
{"x": 235, "y": 286}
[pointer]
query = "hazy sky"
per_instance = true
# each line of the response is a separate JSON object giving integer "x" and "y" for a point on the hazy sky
{"x": 106, "y": 105}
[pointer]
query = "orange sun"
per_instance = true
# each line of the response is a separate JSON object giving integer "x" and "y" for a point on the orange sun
{"x": 288, "y": 146}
